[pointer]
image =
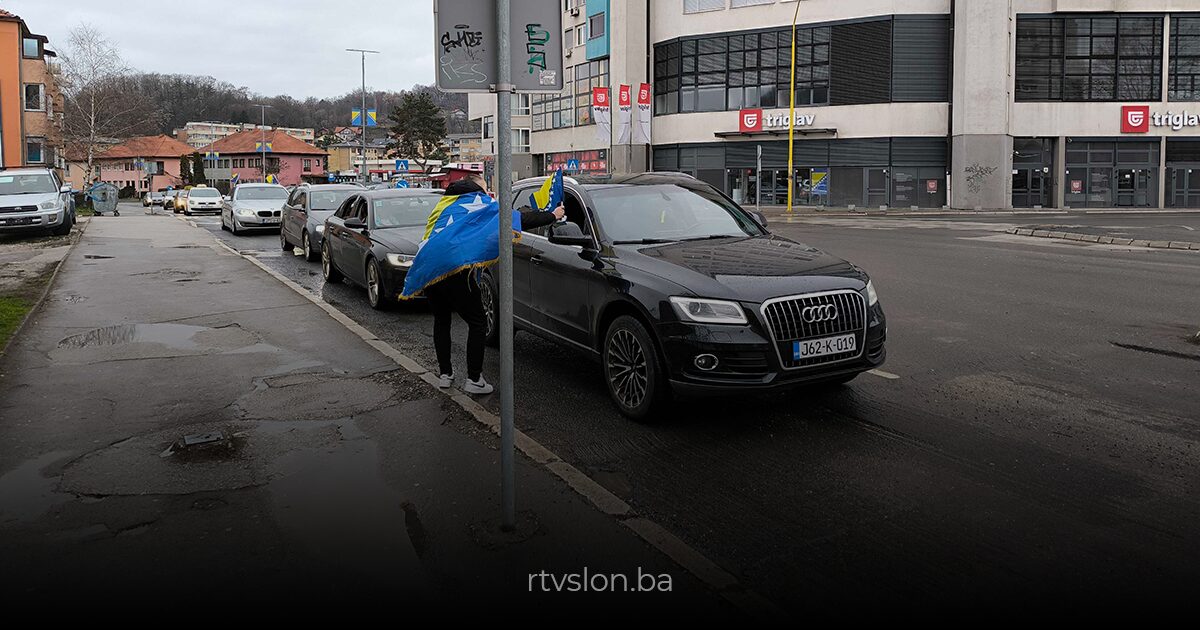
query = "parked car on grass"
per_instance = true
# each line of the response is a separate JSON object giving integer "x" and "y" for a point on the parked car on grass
{"x": 305, "y": 212}
{"x": 35, "y": 199}
{"x": 372, "y": 240}
{"x": 677, "y": 290}
{"x": 253, "y": 207}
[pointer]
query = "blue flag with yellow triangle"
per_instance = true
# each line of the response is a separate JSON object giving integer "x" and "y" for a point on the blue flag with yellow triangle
{"x": 550, "y": 195}
{"x": 463, "y": 232}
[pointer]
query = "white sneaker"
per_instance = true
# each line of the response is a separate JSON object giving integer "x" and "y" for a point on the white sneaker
{"x": 445, "y": 381}
{"x": 477, "y": 387}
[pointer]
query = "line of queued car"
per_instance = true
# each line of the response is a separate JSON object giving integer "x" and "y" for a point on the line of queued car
{"x": 671, "y": 286}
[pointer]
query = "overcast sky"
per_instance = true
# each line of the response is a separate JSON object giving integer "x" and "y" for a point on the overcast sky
{"x": 293, "y": 47}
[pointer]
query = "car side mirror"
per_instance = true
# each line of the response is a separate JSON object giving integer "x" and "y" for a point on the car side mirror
{"x": 760, "y": 217}
{"x": 355, "y": 224}
{"x": 570, "y": 235}
{"x": 66, "y": 188}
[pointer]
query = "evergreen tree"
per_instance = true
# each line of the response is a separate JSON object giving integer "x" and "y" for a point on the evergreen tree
{"x": 417, "y": 130}
{"x": 198, "y": 176}
{"x": 185, "y": 170}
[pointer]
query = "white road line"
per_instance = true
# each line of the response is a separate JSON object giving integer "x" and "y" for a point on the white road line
{"x": 882, "y": 374}
{"x": 721, "y": 581}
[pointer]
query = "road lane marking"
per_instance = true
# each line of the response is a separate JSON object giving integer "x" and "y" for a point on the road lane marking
{"x": 685, "y": 556}
{"x": 882, "y": 374}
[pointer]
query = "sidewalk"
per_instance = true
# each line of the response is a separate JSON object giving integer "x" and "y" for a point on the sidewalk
{"x": 778, "y": 211}
{"x": 334, "y": 483}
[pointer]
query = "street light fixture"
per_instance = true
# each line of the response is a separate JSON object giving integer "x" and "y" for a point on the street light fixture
{"x": 264, "y": 108}
{"x": 362, "y": 117}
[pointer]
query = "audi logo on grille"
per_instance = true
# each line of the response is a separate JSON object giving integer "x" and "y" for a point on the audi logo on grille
{"x": 823, "y": 313}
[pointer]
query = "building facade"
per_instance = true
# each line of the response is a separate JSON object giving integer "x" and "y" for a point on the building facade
{"x": 464, "y": 147}
{"x": 146, "y": 163}
{"x": 31, "y": 106}
{"x": 240, "y": 157}
{"x": 928, "y": 103}
{"x": 201, "y": 134}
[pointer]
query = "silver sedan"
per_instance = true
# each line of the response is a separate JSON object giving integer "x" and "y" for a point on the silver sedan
{"x": 253, "y": 207}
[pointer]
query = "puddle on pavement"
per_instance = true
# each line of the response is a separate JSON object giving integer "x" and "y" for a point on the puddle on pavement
{"x": 25, "y": 494}
{"x": 170, "y": 335}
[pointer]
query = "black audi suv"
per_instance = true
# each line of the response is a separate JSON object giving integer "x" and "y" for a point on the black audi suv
{"x": 679, "y": 291}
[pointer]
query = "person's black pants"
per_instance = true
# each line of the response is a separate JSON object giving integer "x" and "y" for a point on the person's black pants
{"x": 458, "y": 294}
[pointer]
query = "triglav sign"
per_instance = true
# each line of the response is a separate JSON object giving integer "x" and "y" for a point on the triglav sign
{"x": 1138, "y": 119}
{"x": 754, "y": 120}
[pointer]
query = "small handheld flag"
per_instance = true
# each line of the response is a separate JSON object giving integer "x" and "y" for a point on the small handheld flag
{"x": 234, "y": 180}
{"x": 550, "y": 195}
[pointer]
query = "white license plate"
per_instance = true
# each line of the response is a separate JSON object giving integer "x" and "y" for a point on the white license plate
{"x": 825, "y": 345}
{"x": 271, "y": 220}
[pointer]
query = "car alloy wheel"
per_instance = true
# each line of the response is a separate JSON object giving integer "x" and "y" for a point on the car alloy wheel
{"x": 309, "y": 254}
{"x": 627, "y": 370}
{"x": 488, "y": 299}
{"x": 283, "y": 242}
{"x": 328, "y": 270}
{"x": 374, "y": 286}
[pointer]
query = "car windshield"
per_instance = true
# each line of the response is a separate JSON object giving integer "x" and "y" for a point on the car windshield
{"x": 261, "y": 192}
{"x": 204, "y": 192}
{"x": 35, "y": 183}
{"x": 405, "y": 211}
{"x": 668, "y": 212}
{"x": 327, "y": 199}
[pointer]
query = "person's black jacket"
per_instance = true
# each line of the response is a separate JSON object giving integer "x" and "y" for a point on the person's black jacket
{"x": 530, "y": 219}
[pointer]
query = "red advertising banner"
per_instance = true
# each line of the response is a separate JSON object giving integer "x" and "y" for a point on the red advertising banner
{"x": 624, "y": 112}
{"x": 642, "y": 131}
{"x": 601, "y": 113}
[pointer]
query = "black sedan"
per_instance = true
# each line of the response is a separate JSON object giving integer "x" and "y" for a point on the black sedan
{"x": 678, "y": 290}
{"x": 372, "y": 239}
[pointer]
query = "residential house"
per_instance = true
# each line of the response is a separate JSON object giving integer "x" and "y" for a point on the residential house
{"x": 30, "y": 102}
{"x": 464, "y": 147}
{"x": 143, "y": 163}
{"x": 201, "y": 134}
{"x": 241, "y": 154}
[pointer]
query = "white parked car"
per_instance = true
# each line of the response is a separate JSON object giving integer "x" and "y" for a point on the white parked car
{"x": 253, "y": 207}
{"x": 35, "y": 199}
{"x": 202, "y": 199}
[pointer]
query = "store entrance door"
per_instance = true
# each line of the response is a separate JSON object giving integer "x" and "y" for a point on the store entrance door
{"x": 1030, "y": 187}
{"x": 876, "y": 186}
{"x": 1136, "y": 187}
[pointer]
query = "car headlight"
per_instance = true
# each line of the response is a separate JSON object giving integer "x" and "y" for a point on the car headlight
{"x": 871, "y": 297}
{"x": 708, "y": 311}
{"x": 400, "y": 260}
{"x": 245, "y": 212}
{"x": 320, "y": 228}
{"x": 48, "y": 205}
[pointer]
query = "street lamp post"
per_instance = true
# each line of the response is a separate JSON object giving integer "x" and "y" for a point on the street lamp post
{"x": 263, "y": 126}
{"x": 362, "y": 117}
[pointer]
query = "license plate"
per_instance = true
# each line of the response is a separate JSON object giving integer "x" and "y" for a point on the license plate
{"x": 17, "y": 221}
{"x": 271, "y": 220}
{"x": 825, "y": 345}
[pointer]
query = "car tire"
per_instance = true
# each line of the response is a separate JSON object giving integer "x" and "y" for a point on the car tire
{"x": 309, "y": 254}
{"x": 328, "y": 269}
{"x": 187, "y": 213}
{"x": 632, "y": 371}
{"x": 283, "y": 242}
{"x": 490, "y": 297}
{"x": 377, "y": 295}
{"x": 64, "y": 228}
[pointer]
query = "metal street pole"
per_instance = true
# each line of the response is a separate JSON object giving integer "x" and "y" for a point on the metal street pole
{"x": 263, "y": 126}
{"x": 791, "y": 176}
{"x": 758, "y": 178}
{"x": 504, "y": 91}
{"x": 362, "y": 115}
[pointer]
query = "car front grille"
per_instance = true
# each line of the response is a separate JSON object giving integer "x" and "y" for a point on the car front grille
{"x": 268, "y": 213}
{"x": 18, "y": 208}
{"x": 784, "y": 318}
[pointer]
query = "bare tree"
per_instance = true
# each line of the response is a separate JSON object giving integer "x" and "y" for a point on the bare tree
{"x": 98, "y": 98}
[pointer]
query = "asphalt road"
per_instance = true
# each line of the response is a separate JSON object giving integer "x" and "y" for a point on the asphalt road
{"x": 1032, "y": 441}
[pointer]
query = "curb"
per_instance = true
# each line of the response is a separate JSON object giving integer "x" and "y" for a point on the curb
{"x": 708, "y": 572}
{"x": 37, "y": 305}
{"x": 1106, "y": 240}
{"x": 968, "y": 213}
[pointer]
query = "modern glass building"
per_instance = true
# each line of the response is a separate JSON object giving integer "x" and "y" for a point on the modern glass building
{"x": 1025, "y": 103}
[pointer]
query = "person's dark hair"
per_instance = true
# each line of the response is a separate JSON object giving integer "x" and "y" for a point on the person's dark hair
{"x": 463, "y": 186}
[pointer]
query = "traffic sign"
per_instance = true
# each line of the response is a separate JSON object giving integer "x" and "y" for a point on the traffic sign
{"x": 332, "y": 177}
{"x": 465, "y": 45}
{"x": 402, "y": 165}
{"x": 401, "y": 184}
{"x": 573, "y": 164}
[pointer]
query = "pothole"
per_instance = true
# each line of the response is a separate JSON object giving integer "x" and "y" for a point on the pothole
{"x": 173, "y": 335}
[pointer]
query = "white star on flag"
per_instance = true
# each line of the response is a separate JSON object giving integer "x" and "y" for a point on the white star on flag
{"x": 476, "y": 205}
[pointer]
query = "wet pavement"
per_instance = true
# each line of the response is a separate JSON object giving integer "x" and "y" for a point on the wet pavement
{"x": 1031, "y": 439}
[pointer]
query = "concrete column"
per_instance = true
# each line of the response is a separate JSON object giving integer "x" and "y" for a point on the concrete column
{"x": 1060, "y": 179}
{"x": 981, "y": 167}
{"x": 1162, "y": 146}
{"x": 628, "y": 50}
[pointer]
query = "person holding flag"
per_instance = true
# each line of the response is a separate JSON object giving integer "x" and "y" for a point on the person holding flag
{"x": 462, "y": 236}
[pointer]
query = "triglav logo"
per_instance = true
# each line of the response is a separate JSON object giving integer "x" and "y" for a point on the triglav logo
{"x": 750, "y": 120}
{"x": 1135, "y": 119}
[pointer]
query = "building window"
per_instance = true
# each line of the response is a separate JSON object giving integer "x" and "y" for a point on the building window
{"x": 520, "y": 141}
{"x": 700, "y": 6}
{"x": 596, "y": 25}
{"x": 31, "y": 48}
{"x": 734, "y": 4}
{"x": 520, "y": 104}
{"x": 489, "y": 127}
{"x": 307, "y": 165}
{"x": 720, "y": 73}
{"x": 1111, "y": 58}
{"x": 34, "y": 151}
{"x": 34, "y": 93}
{"x": 1185, "y": 59}
{"x": 580, "y": 35}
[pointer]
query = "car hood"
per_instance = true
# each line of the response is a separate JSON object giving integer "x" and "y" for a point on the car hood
{"x": 400, "y": 240}
{"x": 750, "y": 269}
{"x": 257, "y": 204}
{"x": 30, "y": 199}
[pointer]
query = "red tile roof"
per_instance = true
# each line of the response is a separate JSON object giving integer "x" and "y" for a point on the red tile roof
{"x": 148, "y": 146}
{"x": 247, "y": 141}
{"x": 5, "y": 15}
